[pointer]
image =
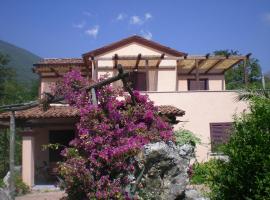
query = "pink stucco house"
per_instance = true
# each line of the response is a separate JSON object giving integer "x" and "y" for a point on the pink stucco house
{"x": 173, "y": 80}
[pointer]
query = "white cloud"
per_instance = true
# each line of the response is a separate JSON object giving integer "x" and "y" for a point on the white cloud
{"x": 93, "y": 32}
{"x": 120, "y": 17}
{"x": 86, "y": 13}
{"x": 266, "y": 17}
{"x": 146, "y": 34}
{"x": 79, "y": 25}
{"x": 136, "y": 20}
{"x": 148, "y": 16}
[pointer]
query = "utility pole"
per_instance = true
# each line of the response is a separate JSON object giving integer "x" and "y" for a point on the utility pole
{"x": 263, "y": 82}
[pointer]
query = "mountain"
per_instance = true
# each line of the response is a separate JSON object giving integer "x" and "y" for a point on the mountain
{"x": 21, "y": 61}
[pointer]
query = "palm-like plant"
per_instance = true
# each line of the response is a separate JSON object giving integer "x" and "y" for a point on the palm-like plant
{"x": 248, "y": 94}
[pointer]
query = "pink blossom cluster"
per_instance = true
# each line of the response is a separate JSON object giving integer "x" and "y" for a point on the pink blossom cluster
{"x": 110, "y": 134}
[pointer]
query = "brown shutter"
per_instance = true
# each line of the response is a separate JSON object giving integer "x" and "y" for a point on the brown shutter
{"x": 203, "y": 84}
{"x": 219, "y": 133}
{"x": 138, "y": 81}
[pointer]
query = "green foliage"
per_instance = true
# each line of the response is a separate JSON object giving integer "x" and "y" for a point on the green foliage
{"x": 235, "y": 76}
{"x": 183, "y": 136}
{"x": 12, "y": 91}
{"x": 202, "y": 173}
{"x": 21, "y": 187}
{"x": 4, "y": 152}
{"x": 1, "y": 183}
{"x": 247, "y": 174}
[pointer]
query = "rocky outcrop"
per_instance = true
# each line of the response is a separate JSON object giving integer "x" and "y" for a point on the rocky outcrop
{"x": 192, "y": 194}
{"x": 162, "y": 171}
{"x": 4, "y": 194}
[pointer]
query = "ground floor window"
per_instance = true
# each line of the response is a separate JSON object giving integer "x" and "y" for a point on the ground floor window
{"x": 203, "y": 84}
{"x": 219, "y": 133}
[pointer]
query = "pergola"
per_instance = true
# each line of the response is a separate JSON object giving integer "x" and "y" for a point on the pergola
{"x": 186, "y": 65}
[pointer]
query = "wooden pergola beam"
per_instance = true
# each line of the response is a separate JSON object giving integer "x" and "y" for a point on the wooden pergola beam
{"x": 160, "y": 59}
{"x": 115, "y": 60}
{"x": 55, "y": 71}
{"x": 214, "y": 65}
{"x": 201, "y": 62}
{"x": 232, "y": 65}
{"x": 138, "y": 61}
{"x": 154, "y": 57}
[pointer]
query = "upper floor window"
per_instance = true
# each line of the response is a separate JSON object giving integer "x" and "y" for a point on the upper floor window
{"x": 203, "y": 84}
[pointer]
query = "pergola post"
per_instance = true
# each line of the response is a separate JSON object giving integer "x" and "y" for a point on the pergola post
{"x": 28, "y": 161}
{"x": 12, "y": 155}
{"x": 197, "y": 75}
{"x": 176, "y": 71}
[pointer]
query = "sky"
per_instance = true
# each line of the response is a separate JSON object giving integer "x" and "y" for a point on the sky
{"x": 69, "y": 28}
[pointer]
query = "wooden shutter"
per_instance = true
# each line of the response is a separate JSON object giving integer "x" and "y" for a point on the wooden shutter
{"x": 203, "y": 84}
{"x": 219, "y": 133}
{"x": 138, "y": 81}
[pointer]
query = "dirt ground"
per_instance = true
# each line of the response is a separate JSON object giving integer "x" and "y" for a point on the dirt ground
{"x": 56, "y": 195}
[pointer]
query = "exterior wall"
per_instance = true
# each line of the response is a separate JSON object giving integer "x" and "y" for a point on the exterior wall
{"x": 166, "y": 80}
{"x": 202, "y": 108}
{"x": 134, "y": 49}
{"x": 166, "y": 76}
{"x": 46, "y": 84}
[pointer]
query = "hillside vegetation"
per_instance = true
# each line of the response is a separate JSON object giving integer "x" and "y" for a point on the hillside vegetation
{"x": 20, "y": 60}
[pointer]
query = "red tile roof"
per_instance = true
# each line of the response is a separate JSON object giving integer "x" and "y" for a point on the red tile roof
{"x": 69, "y": 112}
{"x": 60, "y": 61}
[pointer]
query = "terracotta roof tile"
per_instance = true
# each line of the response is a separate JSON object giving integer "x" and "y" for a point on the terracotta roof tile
{"x": 67, "y": 111}
{"x": 60, "y": 61}
{"x": 170, "y": 110}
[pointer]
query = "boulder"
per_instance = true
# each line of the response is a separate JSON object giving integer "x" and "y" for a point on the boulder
{"x": 161, "y": 173}
{"x": 4, "y": 194}
{"x": 17, "y": 170}
{"x": 192, "y": 194}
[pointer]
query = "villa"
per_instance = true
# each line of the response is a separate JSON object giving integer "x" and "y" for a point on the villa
{"x": 189, "y": 89}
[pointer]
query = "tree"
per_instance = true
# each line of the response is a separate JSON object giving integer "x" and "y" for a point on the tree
{"x": 12, "y": 91}
{"x": 101, "y": 162}
{"x": 234, "y": 77}
{"x": 247, "y": 173}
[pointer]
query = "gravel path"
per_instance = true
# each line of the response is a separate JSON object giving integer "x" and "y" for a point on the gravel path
{"x": 42, "y": 196}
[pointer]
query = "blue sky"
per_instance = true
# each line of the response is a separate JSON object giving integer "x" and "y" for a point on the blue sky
{"x": 68, "y": 28}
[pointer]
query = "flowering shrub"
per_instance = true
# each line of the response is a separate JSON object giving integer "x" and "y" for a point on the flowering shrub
{"x": 110, "y": 134}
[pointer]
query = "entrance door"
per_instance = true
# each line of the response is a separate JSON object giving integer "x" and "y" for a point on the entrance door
{"x": 61, "y": 137}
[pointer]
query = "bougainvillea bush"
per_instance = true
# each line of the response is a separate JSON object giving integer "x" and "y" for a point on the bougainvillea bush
{"x": 100, "y": 161}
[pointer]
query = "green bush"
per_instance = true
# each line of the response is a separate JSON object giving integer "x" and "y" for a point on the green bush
{"x": 202, "y": 173}
{"x": 247, "y": 173}
{"x": 1, "y": 183}
{"x": 21, "y": 187}
{"x": 183, "y": 136}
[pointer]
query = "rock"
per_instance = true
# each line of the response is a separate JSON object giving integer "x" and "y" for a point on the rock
{"x": 164, "y": 168}
{"x": 17, "y": 170}
{"x": 4, "y": 194}
{"x": 194, "y": 195}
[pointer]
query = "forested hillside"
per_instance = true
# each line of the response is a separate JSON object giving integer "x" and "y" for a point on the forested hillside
{"x": 20, "y": 60}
